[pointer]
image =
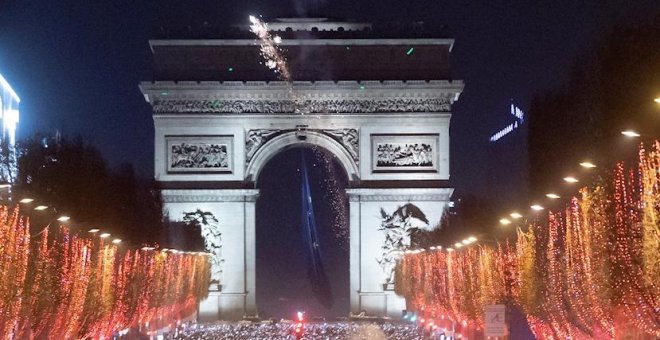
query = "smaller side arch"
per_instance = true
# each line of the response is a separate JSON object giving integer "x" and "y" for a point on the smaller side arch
{"x": 289, "y": 140}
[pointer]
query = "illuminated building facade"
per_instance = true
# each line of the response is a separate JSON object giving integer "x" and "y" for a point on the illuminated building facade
{"x": 380, "y": 102}
{"x": 9, "y": 101}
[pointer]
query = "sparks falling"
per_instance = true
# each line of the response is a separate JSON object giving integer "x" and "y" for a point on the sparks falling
{"x": 270, "y": 51}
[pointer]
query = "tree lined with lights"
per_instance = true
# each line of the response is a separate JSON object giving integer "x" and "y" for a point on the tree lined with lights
{"x": 590, "y": 270}
{"x": 60, "y": 285}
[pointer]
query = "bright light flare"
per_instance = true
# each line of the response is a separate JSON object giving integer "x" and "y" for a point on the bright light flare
{"x": 570, "y": 179}
{"x": 94, "y": 230}
{"x": 449, "y": 250}
{"x": 104, "y": 235}
{"x": 472, "y": 239}
{"x": 505, "y": 221}
{"x": 63, "y": 218}
{"x": 458, "y": 244}
{"x": 40, "y": 207}
{"x": 116, "y": 241}
{"x": 537, "y": 207}
{"x": 630, "y": 133}
{"x": 515, "y": 215}
{"x": 552, "y": 196}
{"x": 588, "y": 165}
{"x": 26, "y": 200}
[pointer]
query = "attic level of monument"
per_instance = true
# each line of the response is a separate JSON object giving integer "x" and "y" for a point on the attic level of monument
{"x": 311, "y": 55}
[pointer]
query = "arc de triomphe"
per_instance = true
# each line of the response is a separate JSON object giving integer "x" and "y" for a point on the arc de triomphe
{"x": 380, "y": 104}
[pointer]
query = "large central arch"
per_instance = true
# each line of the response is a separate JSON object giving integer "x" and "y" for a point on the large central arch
{"x": 292, "y": 139}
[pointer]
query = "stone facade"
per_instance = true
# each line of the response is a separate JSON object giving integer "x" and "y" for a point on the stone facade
{"x": 391, "y": 138}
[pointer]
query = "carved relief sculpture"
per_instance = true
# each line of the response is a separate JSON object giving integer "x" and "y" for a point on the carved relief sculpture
{"x": 404, "y": 153}
{"x": 349, "y": 139}
{"x": 320, "y": 106}
{"x": 197, "y": 153}
{"x": 398, "y": 227}
{"x": 254, "y": 139}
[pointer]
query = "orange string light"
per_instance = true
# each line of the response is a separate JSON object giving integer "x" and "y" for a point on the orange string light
{"x": 66, "y": 286}
{"x": 589, "y": 271}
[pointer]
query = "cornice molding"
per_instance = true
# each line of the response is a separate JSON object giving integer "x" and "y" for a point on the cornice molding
{"x": 320, "y": 97}
{"x": 399, "y": 195}
{"x": 209, "y": 195}
{"x": 349, "y": 85}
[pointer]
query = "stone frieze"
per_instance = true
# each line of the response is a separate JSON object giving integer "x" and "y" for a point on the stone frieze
{"x": 317, "y": 106}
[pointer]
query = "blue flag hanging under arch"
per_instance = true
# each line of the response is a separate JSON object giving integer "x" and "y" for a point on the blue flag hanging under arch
{"x": 315, "y": 270}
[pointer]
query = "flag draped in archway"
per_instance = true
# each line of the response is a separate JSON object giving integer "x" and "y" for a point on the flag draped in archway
{"x": 315, "y": 270}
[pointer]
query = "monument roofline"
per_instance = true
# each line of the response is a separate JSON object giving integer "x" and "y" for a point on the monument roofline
{"x": 305, "y": 42}
{"x": 312, "y": 24}
{"x": 160, "y": 88}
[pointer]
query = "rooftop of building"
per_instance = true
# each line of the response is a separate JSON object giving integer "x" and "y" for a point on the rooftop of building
{"x": 307, "y": 28}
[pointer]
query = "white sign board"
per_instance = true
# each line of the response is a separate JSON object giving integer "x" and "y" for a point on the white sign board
{"x": 495, "y": 320}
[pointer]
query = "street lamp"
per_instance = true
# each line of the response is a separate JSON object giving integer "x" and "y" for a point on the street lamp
{"x": 537, "y": 207}
{"x": 515, "y": 215}
{"x": 630, "y": 133}
{"x": 552, "y": 195}
{"x": 587, "y": 165}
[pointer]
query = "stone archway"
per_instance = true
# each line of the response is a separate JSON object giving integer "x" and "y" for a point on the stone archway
{"x": 282, "y": 250}
{"x": 300, "y": 138}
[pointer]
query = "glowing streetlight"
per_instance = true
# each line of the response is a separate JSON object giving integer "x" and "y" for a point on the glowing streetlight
{"x": 116, "y": 241}
{"x": 26, "y": 200}
{"x": 505, "y": 221}
{"x": 94, "y": 230}
{"x": 104, "y": 235}
{"x": 537, "y": 207}
{"x": 587, "y": 165}
{"x": 570, "y": 179}
{"x": 458, "y": 244}
{"x": 63, "y": 218}
{"x": 472, "y": 239}
{"x": 466, "y": 242}
{"x": 515, "y": 215}
{"x": 40, "y": 207}
{"x": 630, "y": 133}
{"x": 552, "y": 195}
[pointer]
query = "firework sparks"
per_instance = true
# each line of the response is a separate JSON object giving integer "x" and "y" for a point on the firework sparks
{"x": 271, "y": 53}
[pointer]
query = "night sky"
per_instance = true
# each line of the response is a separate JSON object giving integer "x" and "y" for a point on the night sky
{"x": 76, "y": 66}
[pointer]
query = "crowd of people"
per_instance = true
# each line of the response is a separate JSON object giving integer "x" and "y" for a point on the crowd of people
{"x": 313, "y": 330}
